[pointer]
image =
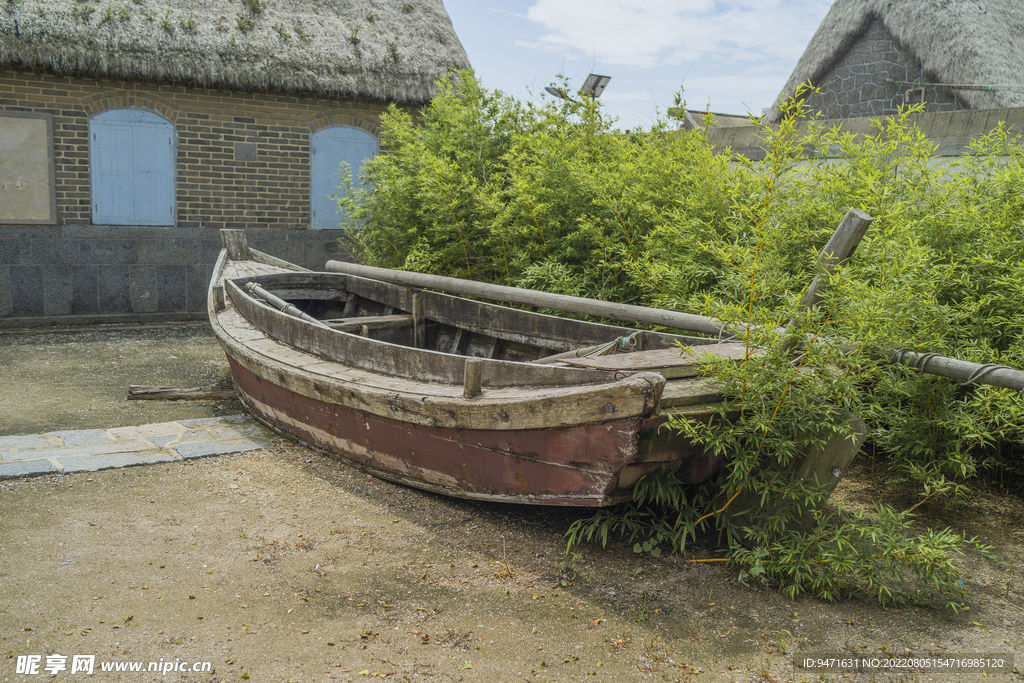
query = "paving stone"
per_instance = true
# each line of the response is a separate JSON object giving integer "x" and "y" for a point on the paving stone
{"x": 106, "y": 449}
{"x": 25, "y": 469}
{"x": 22, "y": 442}
{"x": 240, "y": 431}
{"x": 146, "y": 431}
{"x": 202, "y": 450}
{"x": 83, "y": 437}
{"x": 107, "y": 461}
{"x": 207, "y": 421}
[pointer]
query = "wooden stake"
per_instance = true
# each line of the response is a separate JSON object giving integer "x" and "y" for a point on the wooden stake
{"x": 419, "y": 332}
{"x": 838, "y": 251}
{"x": 472, "y": 378}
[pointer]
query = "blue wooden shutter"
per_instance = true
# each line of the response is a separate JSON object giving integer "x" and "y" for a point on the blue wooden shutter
{"x": 132, "y": 164}
{"x": 330, "y": 148}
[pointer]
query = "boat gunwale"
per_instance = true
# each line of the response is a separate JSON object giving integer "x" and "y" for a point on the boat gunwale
{"x": 402, "y": 361}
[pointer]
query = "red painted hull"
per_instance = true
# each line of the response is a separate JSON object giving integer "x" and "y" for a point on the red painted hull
{"x": 576, "y": 465}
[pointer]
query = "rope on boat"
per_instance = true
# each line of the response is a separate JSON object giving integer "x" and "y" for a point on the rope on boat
{"x": 255, "y": 290}
{"x": 620, "y": 345}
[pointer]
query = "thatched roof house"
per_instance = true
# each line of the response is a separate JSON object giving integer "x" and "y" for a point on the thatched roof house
{"x": 869, "y": 56}
{"x": 391, "y": 50}
{"x": 134, "y": 129}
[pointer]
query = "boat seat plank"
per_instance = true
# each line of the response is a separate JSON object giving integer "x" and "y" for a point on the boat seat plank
{"x": 372, "y": 322}
{"x": 693, "y": 391}
{"x": 670, "y": 363}
{"x": 304, "y": 294}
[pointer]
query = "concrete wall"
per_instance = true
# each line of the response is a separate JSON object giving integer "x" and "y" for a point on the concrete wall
{"x": 873, "y": 78}
{"x": 950, "y": 131}
{"x": 242, "y": 160}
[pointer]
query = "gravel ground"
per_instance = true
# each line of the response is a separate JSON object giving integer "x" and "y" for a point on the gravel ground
{"x": 284, "y": 565}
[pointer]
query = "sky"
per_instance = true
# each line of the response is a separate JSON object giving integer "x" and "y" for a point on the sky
{"x": 731, "y": 57}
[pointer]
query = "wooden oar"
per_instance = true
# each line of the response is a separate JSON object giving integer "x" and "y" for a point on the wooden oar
{"x": 532, "y": 297}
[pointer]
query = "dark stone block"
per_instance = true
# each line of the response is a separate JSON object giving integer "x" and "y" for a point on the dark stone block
{"x": 11, "y": 251}
{"x": 85, "y": 290}
{"x": 843, "y": 72}
{"x": 859, "y": 80}
{"x": 143, "y": 289}
{"x": 27, "y": 290}
{"x": 171, "y": 285}
{"x": 5, "y": 291}
{"x": 198, "y": 282}
{"x": 869, "y": 91}
{"x": 31, "y": 232}
{"x": 57, "y": 291}
{"x": 56, "y": 252}
{"x": 206, "y": 252}
{"x": 113, "y": 287}
{"x": 102, "y": 252}
{"x": 164, "y": 252}
{"x": 318, "y": 253}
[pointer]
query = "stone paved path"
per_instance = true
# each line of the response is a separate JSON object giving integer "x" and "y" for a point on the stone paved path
{"x": 88, "y": 450}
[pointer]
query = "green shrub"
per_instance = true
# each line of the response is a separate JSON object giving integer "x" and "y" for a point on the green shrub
{"x": 553, "y": 197}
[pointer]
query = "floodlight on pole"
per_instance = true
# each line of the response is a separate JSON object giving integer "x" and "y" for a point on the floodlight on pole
{"x": 557, "y": 93}
{"x": 594, "y": 85}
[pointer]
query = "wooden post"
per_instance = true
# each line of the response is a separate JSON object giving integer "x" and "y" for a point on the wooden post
{"x": 473, "y": 377}
{"x": 218, "y": 298}
{"x": 234, "y": 241}
{"x": 419, "y": 331}
{"x": 838, "y": 251}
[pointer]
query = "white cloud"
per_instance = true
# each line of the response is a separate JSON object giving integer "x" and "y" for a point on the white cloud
{"x": 658, "y": 33}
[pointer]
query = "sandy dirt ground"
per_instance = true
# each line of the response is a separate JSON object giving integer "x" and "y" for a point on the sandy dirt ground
{"x": 284, "y": 565}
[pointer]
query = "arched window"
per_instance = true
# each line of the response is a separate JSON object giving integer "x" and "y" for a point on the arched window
{"x": 330, "y": 148}
{"x": 131, "y": 155}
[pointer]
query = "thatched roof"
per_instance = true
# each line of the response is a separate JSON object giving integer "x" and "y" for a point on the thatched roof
{"x": 381, "y": 49}
{"x": 966, "y": 42}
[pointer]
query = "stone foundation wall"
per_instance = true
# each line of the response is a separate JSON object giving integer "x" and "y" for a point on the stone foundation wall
{"x": 83, "y": 274}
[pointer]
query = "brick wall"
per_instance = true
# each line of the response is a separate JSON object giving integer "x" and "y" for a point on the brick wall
{"x": 242, "y": 161}
{"x": 219, "y": 182}
{"x": 859, "y": 83}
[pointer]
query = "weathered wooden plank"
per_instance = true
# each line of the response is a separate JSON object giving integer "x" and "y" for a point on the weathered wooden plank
{"x": 670, "y": 363}
{"x": 375, "y": 322}
{"x": 684, "y": 392}
{"x": 399, "y": 361}
{"x": 430, "y": 403}
{"x": 269, "y": 260}
{"x": 138, "y": 392}
{"x": 309, "y": 293}
{"x": 529, "y": 297}
{"x": 235, "y": 243}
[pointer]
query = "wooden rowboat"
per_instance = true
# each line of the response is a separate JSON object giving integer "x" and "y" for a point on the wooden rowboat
{"x": 462, "y": 397}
